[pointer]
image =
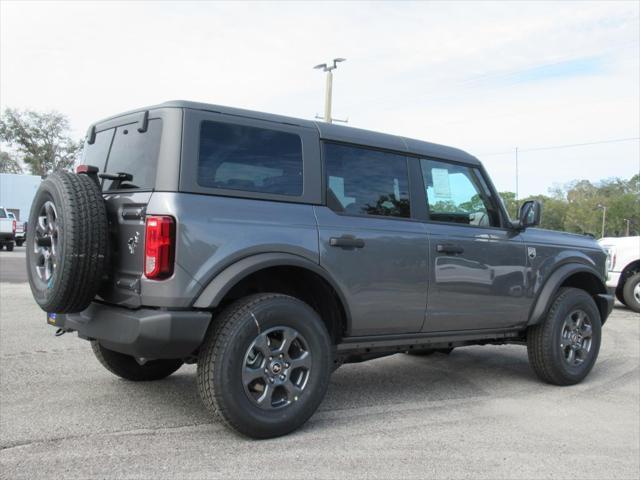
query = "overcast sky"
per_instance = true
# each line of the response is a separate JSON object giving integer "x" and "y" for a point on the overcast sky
{"x": 485, "y": 77}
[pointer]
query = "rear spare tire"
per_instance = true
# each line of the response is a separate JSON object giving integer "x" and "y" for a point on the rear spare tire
{"x": 66, "y": 242}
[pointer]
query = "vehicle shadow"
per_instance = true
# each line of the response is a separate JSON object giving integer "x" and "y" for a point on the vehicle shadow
{"x": 398, "y": 379}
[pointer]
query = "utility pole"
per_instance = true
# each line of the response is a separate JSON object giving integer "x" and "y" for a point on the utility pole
{"x": 328, "y": 88}
{"x": 628, "y": 221}
{"x": 516, "y": 173}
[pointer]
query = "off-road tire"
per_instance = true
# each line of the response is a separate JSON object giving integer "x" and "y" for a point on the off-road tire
{"x": 81, "y": 245}
{"x": 222, "y": 356}
{"x": 125, "y": 366}
{"x": 627, "y": 292}
{"x": 543, "y": 340}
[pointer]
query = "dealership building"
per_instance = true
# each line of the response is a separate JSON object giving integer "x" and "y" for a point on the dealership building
{"x": 17, "y": 192}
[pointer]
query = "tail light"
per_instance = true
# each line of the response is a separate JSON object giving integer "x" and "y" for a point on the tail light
{"x": 14, "y": 226}
{"x": 159, "y": 247}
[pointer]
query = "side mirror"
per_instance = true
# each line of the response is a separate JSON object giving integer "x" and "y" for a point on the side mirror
{"x": 529, "y": 216}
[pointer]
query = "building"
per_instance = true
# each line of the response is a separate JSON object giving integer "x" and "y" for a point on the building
{"x": 17, "y": 192}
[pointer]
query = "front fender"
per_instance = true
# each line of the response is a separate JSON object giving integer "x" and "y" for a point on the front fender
{"x": 552, "y": 285}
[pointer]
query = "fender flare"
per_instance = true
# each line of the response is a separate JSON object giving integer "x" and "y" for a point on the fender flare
{"x": 552, "y": 285}
{"x": 225, "y": 280}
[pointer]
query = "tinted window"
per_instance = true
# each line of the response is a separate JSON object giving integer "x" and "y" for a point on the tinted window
{"x": 366, "y": 182}
{"x": 237, "y": 157}
{"x": 457, "y": 194}
{"x": 2, "y": 214}
{"x": 96, "y": 153}
{"x": 135, "y": 153}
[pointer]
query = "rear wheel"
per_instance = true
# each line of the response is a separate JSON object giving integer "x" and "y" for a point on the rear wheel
{"x": 127, "y": 367}
{"x": 9, "y": 247}
{"x": 265, "y": 364}
{"x": 19, "y": 242}
{"x": 564, "y": 347}
{"x": 631, "y": 292}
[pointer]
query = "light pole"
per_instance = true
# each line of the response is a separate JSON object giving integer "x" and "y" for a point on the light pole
{"x": 604, "y": 217}
{"x": 329, "y": 86}
{"x": 628, "y": 222}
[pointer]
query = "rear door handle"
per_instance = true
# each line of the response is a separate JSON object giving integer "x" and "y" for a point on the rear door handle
{"x": 346, "y": 242}
{"x": 449, "y": 249}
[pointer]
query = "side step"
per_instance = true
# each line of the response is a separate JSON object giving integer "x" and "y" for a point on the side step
{"x": 404, "y": 342}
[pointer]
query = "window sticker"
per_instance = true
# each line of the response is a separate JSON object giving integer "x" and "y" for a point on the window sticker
{"x": 441, "y": 187}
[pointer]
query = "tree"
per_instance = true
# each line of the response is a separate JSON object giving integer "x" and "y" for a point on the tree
{"x": 41, "y": 139}
{"x": 8, "y": 164}
{"x": 574, "y": 207}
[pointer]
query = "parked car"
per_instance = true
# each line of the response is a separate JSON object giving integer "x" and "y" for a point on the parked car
{"x": 624, "y": 269}
{"x": 7, "y": 229}
{"x": 270, "y": 250}
{"x": 20, "y": 233}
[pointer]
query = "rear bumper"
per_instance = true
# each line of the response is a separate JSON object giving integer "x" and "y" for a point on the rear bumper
{"x": 146, "y": 333}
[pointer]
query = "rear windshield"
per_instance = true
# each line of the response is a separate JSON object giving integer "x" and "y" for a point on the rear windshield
{"x": 124, "y": 149}
{"x": 252, "y": 159}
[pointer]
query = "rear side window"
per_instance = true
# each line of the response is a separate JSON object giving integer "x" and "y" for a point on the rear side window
{"x": 366, "y": 182}
{"x": 135, "y": 153}
{"x": 238, "y": 157}
{"x": 2, "y": 214}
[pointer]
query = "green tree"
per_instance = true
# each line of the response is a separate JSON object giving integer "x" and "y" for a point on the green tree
{"x": 41, "y": 139}
{"x": 8, "y": 164}
{"x": 510, "y": 203}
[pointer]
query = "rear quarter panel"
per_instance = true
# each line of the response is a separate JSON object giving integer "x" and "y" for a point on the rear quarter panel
{"x": 213, "y": 232}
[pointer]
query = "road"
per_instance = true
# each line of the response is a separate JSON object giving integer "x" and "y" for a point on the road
{"x": 478, "y": 413}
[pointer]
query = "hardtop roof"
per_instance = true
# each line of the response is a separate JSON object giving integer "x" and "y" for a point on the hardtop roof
{"x": 327, "y": 131}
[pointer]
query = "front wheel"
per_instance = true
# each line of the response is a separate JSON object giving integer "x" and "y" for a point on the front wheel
{"x": 631, "y": 292}
{"x": 9, "y": 247}
{"x": 19, "y": 242}
{"x": 265, "y": 364}
{"x": 564, "y": 346}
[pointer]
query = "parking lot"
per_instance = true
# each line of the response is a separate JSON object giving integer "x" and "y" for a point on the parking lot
{"x": 478, "y": 413}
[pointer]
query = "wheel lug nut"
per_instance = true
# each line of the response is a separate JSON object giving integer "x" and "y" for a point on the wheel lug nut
{"x": 271, "y": 379}
{"x": 266, "y": 370}
{"x": 286, "y": 365}
{"x": 282, "y": 377}
{"x": 281, "y": 355}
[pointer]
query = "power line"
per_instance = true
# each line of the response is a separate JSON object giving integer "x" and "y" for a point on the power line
{"x": 557, "y": 147}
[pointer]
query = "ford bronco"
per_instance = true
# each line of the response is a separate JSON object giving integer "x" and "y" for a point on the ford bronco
{"x": 270, "y": 250}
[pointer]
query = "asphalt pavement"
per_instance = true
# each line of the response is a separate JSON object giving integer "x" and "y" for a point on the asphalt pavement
{"x": 477, "y": 413}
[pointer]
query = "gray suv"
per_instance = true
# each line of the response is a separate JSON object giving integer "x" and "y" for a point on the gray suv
{"x": 270, "y": 250}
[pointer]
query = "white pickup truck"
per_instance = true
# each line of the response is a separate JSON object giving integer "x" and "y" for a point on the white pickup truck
{"x": 7, "y": 230}
{"x": 624, "y": 269}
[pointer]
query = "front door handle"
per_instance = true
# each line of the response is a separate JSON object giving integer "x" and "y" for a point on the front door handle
{"x": 346, "y": 242}
{"x": 449, "y": 249}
